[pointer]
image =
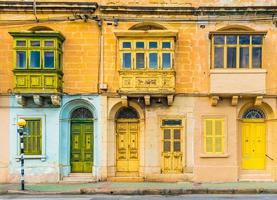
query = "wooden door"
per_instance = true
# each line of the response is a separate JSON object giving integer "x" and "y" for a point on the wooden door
{"x": 81, "y": 147}
{"x": 253, "y": 144}
{"x": 127, "y": 153}
{"x": 171, "y": 151}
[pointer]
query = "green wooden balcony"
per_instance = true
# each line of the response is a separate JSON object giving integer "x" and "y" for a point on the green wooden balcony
{"x": 38, "y": 81}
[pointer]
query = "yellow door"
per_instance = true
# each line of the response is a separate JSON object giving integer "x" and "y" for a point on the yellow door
{"x": 127, "y": 162}
{"x": 253, "y": 144}
{"x": 171, "y": 154}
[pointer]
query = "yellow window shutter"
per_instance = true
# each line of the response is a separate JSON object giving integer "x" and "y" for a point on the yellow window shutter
{"x": 219, "y": 136}
{"x": 208, "y": 136}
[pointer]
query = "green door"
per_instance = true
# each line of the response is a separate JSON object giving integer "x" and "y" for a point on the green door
{"x": 81, "y": 158}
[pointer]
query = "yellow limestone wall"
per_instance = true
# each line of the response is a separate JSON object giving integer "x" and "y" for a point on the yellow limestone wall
{"x": 80, "y": 60}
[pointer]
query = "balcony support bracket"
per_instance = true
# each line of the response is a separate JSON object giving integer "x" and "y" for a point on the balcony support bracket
{"x": 235, "y": 100}
{"x": 214, "y": 100}
{"x": 56, "y": 100}
{"x": 258, "y": 100}
{"x": 124, "y": 101}
{"x": 147, "y": 100}
{"x": 38, "y": 100}
{"x": 21, "y": 100}
{"x": 170, "y": 99}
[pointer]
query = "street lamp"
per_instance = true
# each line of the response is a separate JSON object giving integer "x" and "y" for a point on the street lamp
{"x": 21, "y": 123}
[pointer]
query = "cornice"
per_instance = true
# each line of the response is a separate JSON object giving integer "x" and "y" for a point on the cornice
{"x": 47, "y": 7}
{"x": 198, "y": 11}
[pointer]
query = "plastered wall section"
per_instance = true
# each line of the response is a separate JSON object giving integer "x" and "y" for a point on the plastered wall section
{"x": 80, "y": 57}
{"x": 4, "y": 135}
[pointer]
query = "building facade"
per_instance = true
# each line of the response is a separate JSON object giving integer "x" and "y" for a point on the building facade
{"x": 150, "y": 90}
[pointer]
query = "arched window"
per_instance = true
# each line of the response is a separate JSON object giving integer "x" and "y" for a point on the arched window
{"x": 81, "y": 113}
{"x": 147, "y": 26}
{"x": 127, "y": 113}
{"x": 253, "y": 113}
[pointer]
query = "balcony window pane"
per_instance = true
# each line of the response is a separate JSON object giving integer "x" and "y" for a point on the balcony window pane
{"x": 219, "y": 39}
{"x": 126, "y": 45}
{"x": 35, "y": 43}
{"x": 257, "y": 39}
{"x": 49, "y": 59}
{"x": 153, "y": 60}
{"x": 20, "y": 59}
{"x": 166, "y": 45}
{"x": 218, "y": 57}
{"x": 231, "y": 39}
{"x": 35, "y": 59}
{"x": 166, "y": 57}
{"x": 140, "y": 45}
{"x": 139, "y": 60}
{"x": 244, "y": 39}
{"x": 231, "y": 57}
{"x": 244, "y": 57}
{"x": 257, "y": 57}
{"x": 21, "y": 43}
{"x": 49, "y": 43}
{"x": 127, "y": 61}
{"x": 153, "y": 45}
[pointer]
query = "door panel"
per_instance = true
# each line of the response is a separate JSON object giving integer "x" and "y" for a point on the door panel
{"x": 81, "y": 147}
{"x": 253, "y": 145}
{"x": 172, "y": 153}
{"x": 127, "y": 147}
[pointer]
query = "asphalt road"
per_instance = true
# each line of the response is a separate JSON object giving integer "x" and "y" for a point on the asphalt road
{"x": 115, "y": 197}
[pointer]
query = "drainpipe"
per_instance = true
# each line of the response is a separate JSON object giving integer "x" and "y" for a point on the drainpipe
{"x": 101, "y": 56}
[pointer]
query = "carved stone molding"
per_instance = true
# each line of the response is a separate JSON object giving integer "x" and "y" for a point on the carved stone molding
{"x": 38, "y": 100}
{"x": 124, "y": 101}
{"x": 21, "y": 100}
{"x": 235, "y": 100}
{"x": 214, "y": 100}
{"x": 147, "y": 100}
{"x": 56, "y": 100}
{"x": 170, "y": 99}
{"x": 258, "y": 100}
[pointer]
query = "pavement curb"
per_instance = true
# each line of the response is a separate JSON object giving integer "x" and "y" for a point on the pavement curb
{"x": 31, "y": 192}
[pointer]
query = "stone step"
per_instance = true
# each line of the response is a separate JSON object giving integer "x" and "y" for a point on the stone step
{"x": 79, "y": 178}
{"x": 125, "y": 179}
{"x": 256, "y": 177}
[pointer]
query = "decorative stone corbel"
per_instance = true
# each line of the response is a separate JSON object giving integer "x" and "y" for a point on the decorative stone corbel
{"x": 38, "y": 99}
{"x": 56, "y": 100}
{"x": 235, "y": 100}
{"x": 170, "y": 100}
{"x": 214, "y": 100}
{"x": 147, "y": 100}
{"x": 258, "y": 100}
{"x": 124, "y": 101}
{"x": 21, "y": 100}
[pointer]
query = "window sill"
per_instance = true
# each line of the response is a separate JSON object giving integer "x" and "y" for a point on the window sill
{"x": 29, "y": 157}
{"x": 214, "y": 155}
{"x": 238, "y": 71}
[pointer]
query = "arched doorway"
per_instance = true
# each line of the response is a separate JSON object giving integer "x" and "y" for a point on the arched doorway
{"x": 81, "y": 148}
{"x": 253, "y": 140}
{"x": 127, "y": 142}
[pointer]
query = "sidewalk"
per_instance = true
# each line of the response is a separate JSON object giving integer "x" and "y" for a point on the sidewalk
{"x": 142, "y": 188}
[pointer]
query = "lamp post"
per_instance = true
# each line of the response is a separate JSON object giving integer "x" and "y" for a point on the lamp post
{"x": 21, "y": 123}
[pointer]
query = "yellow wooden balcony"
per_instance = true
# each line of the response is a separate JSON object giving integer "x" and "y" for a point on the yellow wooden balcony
{"x": 38, "y": 81}
{"x": 152, "y": 82}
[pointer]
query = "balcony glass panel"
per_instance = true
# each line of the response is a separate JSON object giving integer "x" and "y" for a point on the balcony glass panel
{"x": 244, "y": 57}
{"x": 153, "y": 60}
{"x": 166, "y": 63}
{"x": 20, "y": 59}
{"x": 49, "y": 59}
{"x": 231, "y": 57}
{"x": 35, "y": 59}
{"x": 127, "y": 61}
{"x": 139, "y": 60}
{"x": 257, "y": 57}
{"x": 218, "y": 57}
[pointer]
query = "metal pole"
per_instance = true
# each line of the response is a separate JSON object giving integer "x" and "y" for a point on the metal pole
{"x": 21, "y": 133}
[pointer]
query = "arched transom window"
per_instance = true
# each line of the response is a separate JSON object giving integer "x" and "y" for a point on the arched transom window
{"x": 253, "y": 113}
{"x": 81, "y": 113}
{"x": 127, "y": 113}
